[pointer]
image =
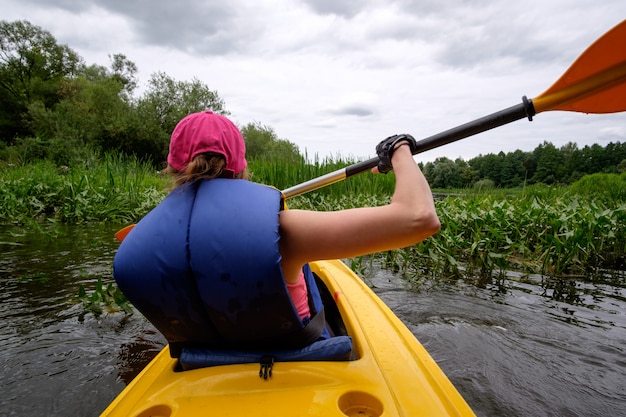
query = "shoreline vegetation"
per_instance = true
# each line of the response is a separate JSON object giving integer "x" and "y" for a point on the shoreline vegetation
{"x": 79, "y": 144}
{"x": 555, "y": 231}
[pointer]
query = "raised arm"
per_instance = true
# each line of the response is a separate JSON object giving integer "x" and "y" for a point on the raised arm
{"x": 408, "y": 219}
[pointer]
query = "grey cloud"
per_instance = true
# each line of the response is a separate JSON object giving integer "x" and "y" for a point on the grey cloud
{"x": 466, "y": 33}
{"x": 423, "y": 8}
{"x": 475, "y": 33}
{"x": 354, "y": 110}
{"x": 344, "y": 8}
{"x": 466, "y": 49}
{"x": 200, "y": 27}
{"x": 203, "y": 27}
{"x": 73, "y": 6}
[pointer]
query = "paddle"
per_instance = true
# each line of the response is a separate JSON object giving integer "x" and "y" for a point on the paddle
{"x": 121, "y": 234}
{"x": 594, "y": 83}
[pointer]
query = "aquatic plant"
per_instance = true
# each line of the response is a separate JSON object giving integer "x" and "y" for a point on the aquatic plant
{"x": 116, "y": 189}
{"x": 104, "y": 298}
{"x": 487, "y": 237}
{"x": 547, "y": 230}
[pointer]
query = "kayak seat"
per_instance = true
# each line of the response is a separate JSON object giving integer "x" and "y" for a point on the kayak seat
{"x": 334, "y": 344}
{"x": 337, "y": 348}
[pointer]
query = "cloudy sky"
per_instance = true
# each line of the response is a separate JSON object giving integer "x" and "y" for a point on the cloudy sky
{"x": 337, "y": 76}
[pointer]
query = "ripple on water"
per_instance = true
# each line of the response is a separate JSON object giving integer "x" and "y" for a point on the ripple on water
{"x": 520, "y": 352}
{"x": 513, "y": 349}
{"x": 56, "y": 360}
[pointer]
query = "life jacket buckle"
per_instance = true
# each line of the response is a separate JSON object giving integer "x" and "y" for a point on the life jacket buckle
{"x": 267, "y": 362}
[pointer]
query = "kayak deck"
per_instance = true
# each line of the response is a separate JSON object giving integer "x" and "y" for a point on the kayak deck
{"x": 392, "y": 374}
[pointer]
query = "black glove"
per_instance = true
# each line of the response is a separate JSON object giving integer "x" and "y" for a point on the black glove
{"x": 386, "y": 148}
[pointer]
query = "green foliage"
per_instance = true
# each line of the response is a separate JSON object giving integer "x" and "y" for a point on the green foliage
{"x": 485, "y": 184}
{"x": 549, "y": 231}
{"x": 556, "y": 232}
{"x": 485, "y": 237}
{"x": 167, "y": 101}
{"x": 282, "y": 174}
{"x": 549, "y": 163}
{"x": 545, "y": 164}
{"x": 117, "y": 189}
{"x": 86, "y": 118}
{"x": 445, "y": 173}
{"x": 262, "y": 144}
{"x": 49, "y": 98}
{"x": 77, "y": 146}
{"x": 52, "y": 106}
{"x": 603, "y": 187}
{"x": 32, "y": 68}
{"x": 104, "y": 298}
{"x": 124, "y": 72}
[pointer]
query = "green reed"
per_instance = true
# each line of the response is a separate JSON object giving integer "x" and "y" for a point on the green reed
{"x": 283, "y": 175}
{"x": 552, "y": 231}
{"x": 113, "y": 188}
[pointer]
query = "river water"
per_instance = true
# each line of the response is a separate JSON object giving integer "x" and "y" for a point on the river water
{"x": 512, "y": 348}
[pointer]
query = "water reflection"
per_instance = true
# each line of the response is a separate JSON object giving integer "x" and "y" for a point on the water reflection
{"x": 560, "y": 289}
{"x": 55, "y": 359}
{"x": 133, "y": 356}
{"x": 513, "y": 345}
{"x": 517, "y": 347}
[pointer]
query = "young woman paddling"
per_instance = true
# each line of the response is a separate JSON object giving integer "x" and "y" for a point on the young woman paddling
{"x": 220, "y": 264}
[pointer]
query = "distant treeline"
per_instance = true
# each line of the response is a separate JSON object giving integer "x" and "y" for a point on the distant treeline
{"x": 55, "y": 107}
{"x": 546, "y": 164}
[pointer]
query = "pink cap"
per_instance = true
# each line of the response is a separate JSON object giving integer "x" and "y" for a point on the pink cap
{"x": 207, "y": 132}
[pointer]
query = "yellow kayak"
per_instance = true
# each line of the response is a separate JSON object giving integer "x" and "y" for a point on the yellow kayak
{"x": 390, "y": 374}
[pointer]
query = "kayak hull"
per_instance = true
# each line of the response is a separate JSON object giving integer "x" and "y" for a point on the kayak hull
{"x": 392, "y": 374}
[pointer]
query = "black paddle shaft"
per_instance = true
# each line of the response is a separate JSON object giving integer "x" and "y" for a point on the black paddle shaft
{"x": 519, "y": 111}
{"x": 524, "y": 109}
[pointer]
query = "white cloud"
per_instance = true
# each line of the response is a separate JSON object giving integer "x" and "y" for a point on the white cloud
{"x": 338, "y": 76}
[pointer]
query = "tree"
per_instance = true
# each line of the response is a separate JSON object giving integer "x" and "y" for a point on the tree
{"x": 92, "y": 113}
{"x": 549, "y": 164}
{"x": 32, "y": 67}
{"x": 262, "y": 143}
{"x": 573, "y": 162}
{"x": 491, "y": 167}
{"x": 614, "y": 153}
{"x": 594, "y": 158}
{"x": 167, "y": 101}
{"x": 445, "y": 174}
{"x": 513, "y": 172}
{"x": 125, "y": 72}
{"x": 467, "y": 175}
{"x": 159, "y": 110}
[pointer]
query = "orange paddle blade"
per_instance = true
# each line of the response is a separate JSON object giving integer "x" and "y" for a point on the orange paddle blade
{"x": 595, "y": 82}
{"x": 121, "y": 234}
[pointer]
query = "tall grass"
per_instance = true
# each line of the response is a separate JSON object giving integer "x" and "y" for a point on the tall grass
{"x": 283, "y": 175}
{"x": 553, "y": 231}
{"x": 114, "y": 189}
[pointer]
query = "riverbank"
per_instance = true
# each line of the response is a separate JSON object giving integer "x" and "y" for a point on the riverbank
{"x": 557, "y": 232}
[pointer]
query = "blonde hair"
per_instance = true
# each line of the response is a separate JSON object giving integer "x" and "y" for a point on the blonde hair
{"x": 203, "y": 167}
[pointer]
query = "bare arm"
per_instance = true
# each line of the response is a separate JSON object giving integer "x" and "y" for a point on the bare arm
{"x": 408, "y": 219}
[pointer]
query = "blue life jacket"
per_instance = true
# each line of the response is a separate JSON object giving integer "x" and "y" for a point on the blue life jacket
{"x": 204, "y": 268}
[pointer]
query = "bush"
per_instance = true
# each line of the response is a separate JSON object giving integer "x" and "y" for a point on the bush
{"x": 485, "y": 184}
{"x": 604, "y": 187}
